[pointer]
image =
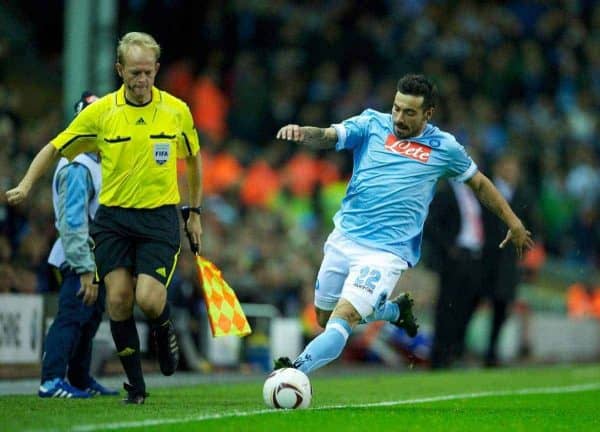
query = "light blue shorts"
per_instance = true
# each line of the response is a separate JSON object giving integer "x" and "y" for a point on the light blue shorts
{"x": 359, "y": 274}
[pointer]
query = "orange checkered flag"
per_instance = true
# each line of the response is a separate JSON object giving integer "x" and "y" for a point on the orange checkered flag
{"x": 225, "y": 314}
{"x": 224, "y": 310}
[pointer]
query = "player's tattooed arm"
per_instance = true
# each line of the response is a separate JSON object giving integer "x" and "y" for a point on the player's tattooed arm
{"x": 319, "y": 137}
{"x": 314, "y": 137}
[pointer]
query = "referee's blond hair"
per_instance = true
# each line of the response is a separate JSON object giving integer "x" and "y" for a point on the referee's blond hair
{"x": 137, "y": 38}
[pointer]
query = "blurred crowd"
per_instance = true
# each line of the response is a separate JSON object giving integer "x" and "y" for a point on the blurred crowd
{"x": 519, "y": 77}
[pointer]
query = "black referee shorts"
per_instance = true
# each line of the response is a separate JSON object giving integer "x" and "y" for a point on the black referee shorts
{"x": 143, "y": 240}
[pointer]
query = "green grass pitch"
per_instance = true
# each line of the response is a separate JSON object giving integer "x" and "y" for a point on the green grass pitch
{"x": 565, "y": 397}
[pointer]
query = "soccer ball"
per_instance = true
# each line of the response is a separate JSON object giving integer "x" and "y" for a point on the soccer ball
{"x": 287, "y": 388}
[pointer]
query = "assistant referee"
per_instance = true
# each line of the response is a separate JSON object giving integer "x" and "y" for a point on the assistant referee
{"x": 139, "y": 132}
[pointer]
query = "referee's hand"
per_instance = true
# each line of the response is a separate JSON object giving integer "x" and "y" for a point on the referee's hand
{"x": 17, "y": 195}
{"x": 194, "y": 229}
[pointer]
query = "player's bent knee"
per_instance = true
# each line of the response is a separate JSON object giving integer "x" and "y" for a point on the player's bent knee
{"x": 359, "y": 305}
{"x": 347, "y": 312}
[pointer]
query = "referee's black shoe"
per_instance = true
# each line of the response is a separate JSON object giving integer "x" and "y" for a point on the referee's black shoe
{"x": 167, "y": 348}
{"x": 134, "y": 395}
{"x": 406, "y": 320}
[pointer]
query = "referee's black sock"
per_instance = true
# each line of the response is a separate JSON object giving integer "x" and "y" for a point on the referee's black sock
{"x": 127, "y": 341}
{"x": 163, "y": 318}
{"x": 165, "y": 341}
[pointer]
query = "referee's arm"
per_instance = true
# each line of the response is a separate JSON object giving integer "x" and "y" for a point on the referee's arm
{"x": 194, "y": 178}
{"x": 45, "y": 158}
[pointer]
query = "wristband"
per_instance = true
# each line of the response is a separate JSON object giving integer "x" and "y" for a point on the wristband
{"x": 197, "y": 210}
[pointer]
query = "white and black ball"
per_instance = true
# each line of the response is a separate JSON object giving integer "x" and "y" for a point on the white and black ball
{"x": 287, "y": 388}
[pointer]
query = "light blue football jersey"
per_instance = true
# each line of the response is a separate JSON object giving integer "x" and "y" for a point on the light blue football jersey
{"x": 393, "y": 181}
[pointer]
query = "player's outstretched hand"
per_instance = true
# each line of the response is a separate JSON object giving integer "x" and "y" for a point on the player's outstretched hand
{"x": 17, "y": 195}
{"x": 291, "y": 132}
{"x": 520, "y": 237}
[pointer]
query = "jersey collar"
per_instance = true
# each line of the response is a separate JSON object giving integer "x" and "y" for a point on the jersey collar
{"x": 156, "y": 96}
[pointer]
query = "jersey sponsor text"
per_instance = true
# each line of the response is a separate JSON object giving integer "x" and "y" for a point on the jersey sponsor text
{"x": 411, "y": 149}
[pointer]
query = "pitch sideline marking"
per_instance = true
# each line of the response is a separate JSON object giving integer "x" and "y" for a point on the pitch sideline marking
{"x": 216, "y": 416}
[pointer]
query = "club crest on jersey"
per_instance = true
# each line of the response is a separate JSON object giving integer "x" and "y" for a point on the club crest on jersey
{"x": 407, "y": 148}
{"x": 161, "y": 153}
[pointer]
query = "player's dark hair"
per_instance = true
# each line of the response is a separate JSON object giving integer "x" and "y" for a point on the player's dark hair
{"x": 419, "y": 85}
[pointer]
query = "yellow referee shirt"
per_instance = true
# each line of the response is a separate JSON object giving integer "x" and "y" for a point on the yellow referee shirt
{"x": 138, "y": 146}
